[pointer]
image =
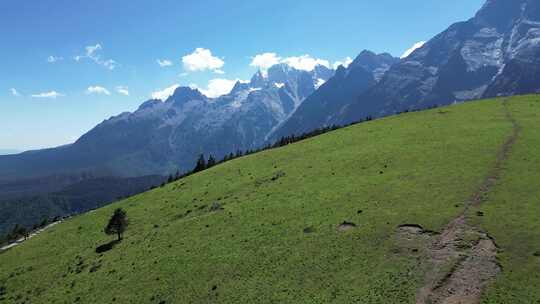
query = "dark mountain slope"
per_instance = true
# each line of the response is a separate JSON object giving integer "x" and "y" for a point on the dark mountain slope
{"x": 494, "y": 53}
{"x": 348, "y": 83}
{"x": 78, "y": 197}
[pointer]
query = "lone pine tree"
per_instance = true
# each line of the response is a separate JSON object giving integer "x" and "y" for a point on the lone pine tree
{"x": 117, "y": 224}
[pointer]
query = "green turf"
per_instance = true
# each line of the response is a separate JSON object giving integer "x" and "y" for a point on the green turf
{"x": 415, "y": 168}
{"x": 512, "y": 212}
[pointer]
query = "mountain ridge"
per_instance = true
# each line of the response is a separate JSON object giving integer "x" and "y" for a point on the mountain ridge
{"x": 161, "y": 137}
{"x": 319, "y": 108}
{"x": 472, "y": 59}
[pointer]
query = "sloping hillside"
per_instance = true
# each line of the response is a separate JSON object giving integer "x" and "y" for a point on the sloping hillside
{"x": 352, "y": 216}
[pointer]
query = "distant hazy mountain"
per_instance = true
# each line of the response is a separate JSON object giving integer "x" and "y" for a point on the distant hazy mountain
{"x": 495, "y": 53}
{"x": 321, "y": 108}
{"x": 42, "y": 201}
{"x": 9, "y": 151}
{"x": 162, "y": 136}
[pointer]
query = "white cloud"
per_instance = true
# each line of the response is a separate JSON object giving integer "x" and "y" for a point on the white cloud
{"x": 221, "y": 72}
{"x": 412, "y": 49}
{"x": 218, "y": 87}
{"x": 109, "y": 64}
{"x": 305, "y": 62}
{"x": 164, "y": 63}
{"x": 345, "y": 63}
{"x": 92, "y": 54}
{"x": 202, "y": 60}
{"x": 97, "y": 90}
{"x": 91, "y": 50}
{"x": 53, "y": 59}
{"x": 165, "y": 93}
{"x": 51, "y": 94}
{"x": 265, "y": 61}
{"x": 122, "y": 90}
{"x": 14, "y": 92}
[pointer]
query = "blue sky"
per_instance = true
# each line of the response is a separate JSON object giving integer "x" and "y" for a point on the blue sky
{"x": 66, "y": 65}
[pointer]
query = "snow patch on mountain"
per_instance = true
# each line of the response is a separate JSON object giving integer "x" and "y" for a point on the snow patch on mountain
{"x": 319, "y": 83}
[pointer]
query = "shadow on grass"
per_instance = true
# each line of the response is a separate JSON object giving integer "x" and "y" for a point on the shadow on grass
{"x": 106, "y": 247}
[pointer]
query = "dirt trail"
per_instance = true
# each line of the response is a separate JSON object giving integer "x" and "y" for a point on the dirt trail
{"x": 463, "y": 258}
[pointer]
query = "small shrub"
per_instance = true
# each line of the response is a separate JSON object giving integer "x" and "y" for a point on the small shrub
{"x": 94, "y": 268}
{"x": 216, "y": 207}
{"x": 308, "y": 230}
{"x": 278, "y": 175}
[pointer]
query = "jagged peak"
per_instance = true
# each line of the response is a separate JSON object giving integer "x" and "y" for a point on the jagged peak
{"x": 370, "y": 55}
{"x": 149, "y": 104}
{"x": 184, "y": 94}
{"x": 240, "y": 86}
{"x": 370, "y": 60}
{"x": 259, "y": 79}
{"x": 366, "y": 52}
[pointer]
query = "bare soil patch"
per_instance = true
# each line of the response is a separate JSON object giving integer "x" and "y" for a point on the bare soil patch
{"x": 345, "y": 226}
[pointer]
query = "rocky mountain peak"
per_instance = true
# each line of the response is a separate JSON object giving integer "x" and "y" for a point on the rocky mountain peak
{"x": 184, "y": 94}
{"x": 258, "y": 80}
{"x": 240, "y": 86}
{"x": 149, "y": 104}
{"x": 371, "y": 61}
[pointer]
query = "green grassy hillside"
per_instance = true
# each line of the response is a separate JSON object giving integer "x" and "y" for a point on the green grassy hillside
{"x": 277, "y": 238}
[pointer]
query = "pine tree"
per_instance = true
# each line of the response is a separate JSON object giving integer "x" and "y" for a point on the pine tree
{"x": 117, "y": 224}
{"x": 211, "y": 161}
{"x": 201, "y": 164}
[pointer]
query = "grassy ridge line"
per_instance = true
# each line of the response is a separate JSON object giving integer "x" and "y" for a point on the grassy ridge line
{"x": 412, "y": 168}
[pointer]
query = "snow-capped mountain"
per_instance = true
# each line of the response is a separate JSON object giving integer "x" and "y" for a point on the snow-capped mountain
{"x": 322, "y": 107}
{"x": 162, "y": 136}
{"x": 497, "y": 52}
